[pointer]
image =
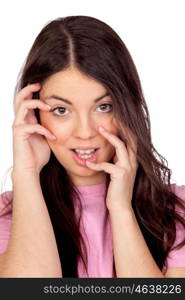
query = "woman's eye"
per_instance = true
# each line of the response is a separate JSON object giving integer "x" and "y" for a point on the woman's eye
{"x": 60, "y": 110}
{"x": 104, "y": 107}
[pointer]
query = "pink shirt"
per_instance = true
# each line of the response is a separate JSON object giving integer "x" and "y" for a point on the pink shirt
{"x": 96, "y": 229}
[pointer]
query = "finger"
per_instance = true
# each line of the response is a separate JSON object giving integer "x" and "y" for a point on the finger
{"x": 121, "y": 151}
{"x": 26, "y": 106}
{"x": 24, "y": 130}
{"x": 103, "y": 166}
{"x": 25, "y": 93}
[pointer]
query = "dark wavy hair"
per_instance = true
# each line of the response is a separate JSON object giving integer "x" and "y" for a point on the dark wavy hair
{"x": 97, "y": 51}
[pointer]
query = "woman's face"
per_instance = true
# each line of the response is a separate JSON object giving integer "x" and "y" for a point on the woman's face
{"x": 75, "y": 122}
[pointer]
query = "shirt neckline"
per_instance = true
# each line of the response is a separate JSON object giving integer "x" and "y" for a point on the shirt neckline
{"x": 94, "y": 188}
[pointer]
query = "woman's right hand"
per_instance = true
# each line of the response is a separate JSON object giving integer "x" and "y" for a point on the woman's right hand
{"x": 30, "y": 147}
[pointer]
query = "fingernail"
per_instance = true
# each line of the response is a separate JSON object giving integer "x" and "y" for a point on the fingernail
{"x": 90, "y": 163}
{"x": 48, "y": 106}
{"x": 37, "y": 84}
{"x": 101, "y": 128}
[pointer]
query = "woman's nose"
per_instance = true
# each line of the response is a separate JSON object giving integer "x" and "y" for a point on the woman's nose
{"x": 85, "y": 129}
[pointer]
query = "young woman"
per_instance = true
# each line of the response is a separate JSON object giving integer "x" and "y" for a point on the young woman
{"x": 87, "y": 202}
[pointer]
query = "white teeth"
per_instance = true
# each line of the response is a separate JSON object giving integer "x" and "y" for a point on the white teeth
{"x": 85, "y": 153}
{"x": 84, "y": 156}
{"x": 89, "y": 151}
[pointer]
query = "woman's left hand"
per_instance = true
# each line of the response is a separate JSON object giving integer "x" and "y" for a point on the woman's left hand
{"x": 122, "y": 172}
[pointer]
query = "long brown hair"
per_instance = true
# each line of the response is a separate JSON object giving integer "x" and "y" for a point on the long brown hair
{"x": 96, "y": 50}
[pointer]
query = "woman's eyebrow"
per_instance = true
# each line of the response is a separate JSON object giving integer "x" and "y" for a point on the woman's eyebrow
{"x": 69, "y": 102}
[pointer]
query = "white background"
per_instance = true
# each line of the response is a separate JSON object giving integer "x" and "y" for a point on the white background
{"x": 153, "y": 31}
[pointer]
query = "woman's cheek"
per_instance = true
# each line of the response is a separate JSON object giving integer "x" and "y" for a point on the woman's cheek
{"x": 47, "y": 122}
{"x": 113, "y": 127}
{"x": 43, "y": 118}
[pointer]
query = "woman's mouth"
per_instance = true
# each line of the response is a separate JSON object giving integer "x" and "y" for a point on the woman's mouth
{"x": 81, "y": 157}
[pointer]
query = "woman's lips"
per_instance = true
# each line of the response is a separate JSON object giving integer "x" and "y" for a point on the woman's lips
{"x": 82, "y": 161}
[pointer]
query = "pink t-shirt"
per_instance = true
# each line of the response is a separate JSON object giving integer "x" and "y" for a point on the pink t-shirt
{"x": 96, "y": 230}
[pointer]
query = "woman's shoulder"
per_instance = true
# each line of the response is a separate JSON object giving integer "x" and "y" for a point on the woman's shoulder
{"x": 179, "y": 190}
{"x": 176, "y": 256}
{"x": 5, "y": 200}
{"x": 6, "y": 196}
{"x": 5, "y": 219}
